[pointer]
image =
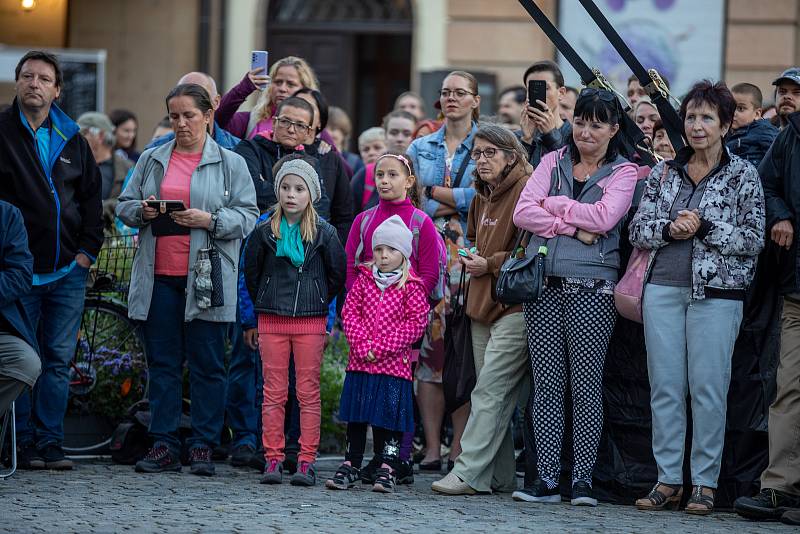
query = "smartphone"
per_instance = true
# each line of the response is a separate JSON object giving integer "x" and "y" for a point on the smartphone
{"x": 462, "y": 252}
{"x": 258, "y": 58}
{"x": 166, "y": 206}
{"x": 537, "y": 90}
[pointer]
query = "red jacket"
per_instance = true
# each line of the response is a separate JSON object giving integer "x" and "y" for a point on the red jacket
{"x": 387, "y": 323}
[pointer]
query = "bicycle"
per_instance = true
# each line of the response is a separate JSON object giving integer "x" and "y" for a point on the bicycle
{"x": 108, "y": 373}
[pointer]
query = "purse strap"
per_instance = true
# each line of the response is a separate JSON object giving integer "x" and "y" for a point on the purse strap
{"x": 463, "y": 291}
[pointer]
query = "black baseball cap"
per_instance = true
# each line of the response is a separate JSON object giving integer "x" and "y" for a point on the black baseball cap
{"x": 791, "y": 75}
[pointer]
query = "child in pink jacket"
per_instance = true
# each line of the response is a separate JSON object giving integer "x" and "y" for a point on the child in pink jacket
{"x": 385, "y": 312}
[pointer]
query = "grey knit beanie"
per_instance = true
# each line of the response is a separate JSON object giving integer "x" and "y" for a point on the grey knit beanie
{"x": 300, "y": 168}
{"x": 394, "y": 233}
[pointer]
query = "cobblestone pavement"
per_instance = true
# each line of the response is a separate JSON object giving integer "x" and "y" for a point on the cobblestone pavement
{"x": 101, "y": 497}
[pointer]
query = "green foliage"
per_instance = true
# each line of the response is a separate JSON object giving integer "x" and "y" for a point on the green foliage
{"x": 334, "y": 362}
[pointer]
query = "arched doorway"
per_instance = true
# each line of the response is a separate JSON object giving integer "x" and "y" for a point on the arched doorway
{"x": 360, "y": 50}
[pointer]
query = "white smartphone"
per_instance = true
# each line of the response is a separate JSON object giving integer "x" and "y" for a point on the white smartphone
{"x": 258, "y": 58}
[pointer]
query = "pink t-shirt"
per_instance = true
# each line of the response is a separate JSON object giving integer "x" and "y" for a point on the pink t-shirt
{"x": 172, "y": 251}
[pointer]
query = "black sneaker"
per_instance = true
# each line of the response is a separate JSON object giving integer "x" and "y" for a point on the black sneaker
{"x": 405, "y": 472}
{"x": 769, "y": 505}
{"x": 368, "y": 471}
{"x": 53, "y": 456}
{"x": 159, "y": 459}
{"x": 384, "y": 480}
{"x": 306, "y": 475}
{"x": 273, "y": 472}
{"x": 538, "y": 492}
{"x": 28, "y": 457}
{"x": 582, "y": 494}
{"x": 242, "y": 455}
{"x": 344, "y": 478}
{"x": 257, "y": 461}
{"x": 201, "y": 462}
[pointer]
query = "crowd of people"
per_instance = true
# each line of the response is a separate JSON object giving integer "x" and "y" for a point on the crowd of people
{"x": 261, "y": 228}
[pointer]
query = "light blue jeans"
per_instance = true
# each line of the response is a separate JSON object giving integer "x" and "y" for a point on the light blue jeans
{"x": 689, "y": 349}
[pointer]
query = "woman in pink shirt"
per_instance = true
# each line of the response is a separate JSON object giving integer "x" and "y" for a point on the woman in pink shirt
{"x": 575, "y": 204}
{"x": 180, "y": 314}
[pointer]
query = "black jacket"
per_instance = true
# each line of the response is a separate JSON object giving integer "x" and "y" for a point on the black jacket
{"x": 278, "y": 287}
{"x": 16, "y": 268}
{"x": 337, "y": 184}
{"x": 780, "y": 177}
{"x": 63, "y": 212}
{"x": 542, "y": 144}
{"x": 752, "y": 141}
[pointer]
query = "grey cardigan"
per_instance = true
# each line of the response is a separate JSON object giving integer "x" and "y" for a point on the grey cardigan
{"x": 221, "y": 184}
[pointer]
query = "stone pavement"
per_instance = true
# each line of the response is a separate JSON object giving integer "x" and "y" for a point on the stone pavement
{"x": 99, "y": 497}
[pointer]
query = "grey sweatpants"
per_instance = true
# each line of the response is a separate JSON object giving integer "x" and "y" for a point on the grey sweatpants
{"x": 19, "y": 368}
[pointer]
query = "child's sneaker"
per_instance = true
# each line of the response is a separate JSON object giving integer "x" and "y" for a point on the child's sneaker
{"x": 201, "y": 462}
{"x": 306, "y": 475}
{"x": 368, "y": 471}
{"x": 384, "y": 480}
{"x": 159, "y": 459}
{"x": 405, "y": 472}
{"x": 345, "y": 478}
{"x": 273, "y": 472}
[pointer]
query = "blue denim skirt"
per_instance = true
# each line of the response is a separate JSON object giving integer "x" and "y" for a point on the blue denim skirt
{"x": 380, "y": 400}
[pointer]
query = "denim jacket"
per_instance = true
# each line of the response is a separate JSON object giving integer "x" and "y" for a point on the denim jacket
{"x": 428, "y": 155}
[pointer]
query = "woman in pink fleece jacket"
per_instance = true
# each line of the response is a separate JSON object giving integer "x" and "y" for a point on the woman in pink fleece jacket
{"x": 575, "y": 203}
{"x": 385, "y": 312}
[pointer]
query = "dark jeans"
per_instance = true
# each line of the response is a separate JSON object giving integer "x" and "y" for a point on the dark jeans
{"x": 244, "y": 370}
{"x": 167, "y": 338}
{"x": 56, "y": 310}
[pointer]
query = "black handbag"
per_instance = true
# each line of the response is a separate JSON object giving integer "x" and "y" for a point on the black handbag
{"x": 458, "y": 375}
{"x": 521, "y": 279}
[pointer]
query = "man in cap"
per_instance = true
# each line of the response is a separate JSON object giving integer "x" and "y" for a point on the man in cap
{"x": 787, "y": 94}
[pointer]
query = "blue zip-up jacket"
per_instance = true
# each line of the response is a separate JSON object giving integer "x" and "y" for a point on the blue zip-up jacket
{"x": 60, "y": 200}
{"x": 752, "y": 141}
{"x": 224, "y": 138}
{"x": 428, "y": 155}
{"x": 16, "y": 270}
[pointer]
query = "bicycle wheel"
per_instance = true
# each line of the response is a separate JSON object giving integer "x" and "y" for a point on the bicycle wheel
{"x": 107, "y": 376}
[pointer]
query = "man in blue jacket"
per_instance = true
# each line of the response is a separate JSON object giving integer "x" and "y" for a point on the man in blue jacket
{"x": 47, "y": 171}
{"x": 19, "y": 362}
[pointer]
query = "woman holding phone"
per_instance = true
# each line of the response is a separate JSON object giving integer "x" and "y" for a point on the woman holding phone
{"x": 445, "y": 171}
{"x": 216, "y": 189}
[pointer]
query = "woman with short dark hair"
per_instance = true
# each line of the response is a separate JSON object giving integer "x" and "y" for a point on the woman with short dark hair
{"x": 574, "y": 204}
{"x": 702, "y": 219}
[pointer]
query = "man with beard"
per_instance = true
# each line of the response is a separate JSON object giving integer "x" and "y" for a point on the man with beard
{"x": 787, "y": 94}
{"x": 510, "y": 104}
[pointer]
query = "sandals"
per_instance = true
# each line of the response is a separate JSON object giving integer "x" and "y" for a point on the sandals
{"x": 658, "y": 500}
{"x": 344, "y": 478}
{"x": 700, "y": 503}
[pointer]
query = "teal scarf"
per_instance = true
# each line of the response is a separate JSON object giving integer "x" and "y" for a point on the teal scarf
{"x": 290, "y": 244}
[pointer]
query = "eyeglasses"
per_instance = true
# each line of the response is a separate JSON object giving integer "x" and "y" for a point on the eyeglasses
{"x": 602, "y": 94}
{"x": 488, "y": 152}
{"x": 458, "y": 93}
{"x": 286, "y": 123}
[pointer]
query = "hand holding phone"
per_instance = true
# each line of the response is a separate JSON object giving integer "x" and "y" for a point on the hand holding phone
{"x": 165, "y": 206}
{"x": 258, "y": 60}
{"x": 537, "y": 90}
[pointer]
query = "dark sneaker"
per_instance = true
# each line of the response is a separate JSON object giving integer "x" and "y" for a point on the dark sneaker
{"x": 384, "y": 480}
{"x": 769, "y": 505}
{"x": 257, "y": 461}
{"x": 242, "y": 455}
{"x": 201, "y": 462}
{"x": 582, "y": 494}
{"x": 29, "y": 458}
{"x": 290, "y": 462}
{"x": 368, "y": 471}
{"x": 54, "y": 458}
{"x": 538, "y": 492}
{"x": 159, "y": 459}
{"x": 792, "y": 517}
{"x": 273, "y": 472}
{"x": 306, "y": 475}
{"x": 405, "y": 472}
{"x": 344, "y": 478}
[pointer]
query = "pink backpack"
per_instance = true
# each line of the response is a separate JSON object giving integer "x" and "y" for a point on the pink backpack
{"x": 629, "y": 290}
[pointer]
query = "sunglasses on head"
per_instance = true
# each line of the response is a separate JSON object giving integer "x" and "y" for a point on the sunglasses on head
{"x": 602, "y": 94}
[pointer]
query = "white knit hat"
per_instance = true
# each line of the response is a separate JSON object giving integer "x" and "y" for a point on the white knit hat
{"x": 394, "y": 233}
{"x": 300, "y": 168}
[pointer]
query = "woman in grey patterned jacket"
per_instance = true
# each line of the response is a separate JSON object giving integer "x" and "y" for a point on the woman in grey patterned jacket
{"x": 702, "y": 219}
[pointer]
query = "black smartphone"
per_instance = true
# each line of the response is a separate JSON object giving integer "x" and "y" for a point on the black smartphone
{"x": 537, "y": 90}
{"x": 166, "y": 206}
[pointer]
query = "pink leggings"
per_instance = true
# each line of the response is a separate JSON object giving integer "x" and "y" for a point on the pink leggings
{"x": 275, "y": 352}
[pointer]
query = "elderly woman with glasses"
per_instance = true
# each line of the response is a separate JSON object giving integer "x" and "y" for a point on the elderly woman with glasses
{"x": 486, "y": 462}
{"x": 574, "y": 204}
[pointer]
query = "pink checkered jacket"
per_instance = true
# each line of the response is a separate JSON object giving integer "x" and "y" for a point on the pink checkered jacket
{"x": 387, "y": 323}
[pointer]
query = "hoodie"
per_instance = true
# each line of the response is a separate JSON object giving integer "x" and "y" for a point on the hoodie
{"x": 751, "y": 142}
